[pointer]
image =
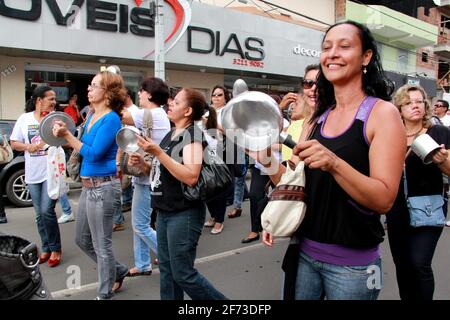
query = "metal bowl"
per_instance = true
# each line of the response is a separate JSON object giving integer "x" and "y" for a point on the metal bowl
{"x": 126, "y": 139}
{"x": 46, "y": 128}
{"x": 253, "y": 120}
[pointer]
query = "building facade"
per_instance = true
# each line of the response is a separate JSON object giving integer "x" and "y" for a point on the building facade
{"x": 65, "y": 43}
{"x": 405, "y": 42}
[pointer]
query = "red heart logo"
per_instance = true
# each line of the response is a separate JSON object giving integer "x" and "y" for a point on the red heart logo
{"x": 138, "y": 2}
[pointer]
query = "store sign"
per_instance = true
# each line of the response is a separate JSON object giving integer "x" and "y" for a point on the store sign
{"x": 250, "y": 48}
{"x": 101, "y": 15}
{"x": 299, "y": 50}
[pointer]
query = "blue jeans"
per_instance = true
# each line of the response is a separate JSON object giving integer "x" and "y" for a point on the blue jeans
{"x": 127, "y": 194}
{"x": 118, "y": 217}
{"x": 239, "y": 189}
{"x": 65, "y": 204}
{"x": 178, "y": 234}
{"x": 46, "y": 220}
{"x": 317, "y": 280}
{"x": 144, "y": 237}
{"x": 93, "y": 235}
{"x": 239, "y": 182}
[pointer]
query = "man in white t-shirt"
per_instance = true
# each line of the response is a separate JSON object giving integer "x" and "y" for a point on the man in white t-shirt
{"x": 440, "y": 109}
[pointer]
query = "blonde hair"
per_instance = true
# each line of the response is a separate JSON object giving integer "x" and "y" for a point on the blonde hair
{"x": 401, "y": 98}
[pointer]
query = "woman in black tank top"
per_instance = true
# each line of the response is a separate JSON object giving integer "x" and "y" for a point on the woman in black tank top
{"x": 352, "y": 173}
{"x": 413, "y": 248}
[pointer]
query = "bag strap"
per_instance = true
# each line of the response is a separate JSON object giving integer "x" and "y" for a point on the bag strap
{"x": 147, "y": 123}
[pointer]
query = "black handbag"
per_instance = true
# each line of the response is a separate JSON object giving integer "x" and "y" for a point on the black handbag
{"x": 20, "y": 277}
{"x": 215, "y": 179}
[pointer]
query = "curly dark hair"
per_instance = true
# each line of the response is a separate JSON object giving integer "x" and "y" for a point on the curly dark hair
{"x": 374, "y": 82}
{"x": 115, "y": 91}
{"x": 157, "y": 88}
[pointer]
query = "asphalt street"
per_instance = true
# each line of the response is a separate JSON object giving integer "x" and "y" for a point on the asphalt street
{"x": 240, "y": 271}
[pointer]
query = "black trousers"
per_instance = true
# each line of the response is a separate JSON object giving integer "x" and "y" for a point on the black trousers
{"x": 257, "y": 194}
{"x": 412, "y": 251}
{"x": 217, "y": 207}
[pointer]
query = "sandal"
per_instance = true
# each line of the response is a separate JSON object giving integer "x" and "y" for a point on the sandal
{"x": 139, "y": 273}
{"x": 236, "y": 212}
{"x": 119, "y": 283}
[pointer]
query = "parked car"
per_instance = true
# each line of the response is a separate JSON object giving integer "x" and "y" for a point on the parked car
{"x": 12, "y": 174}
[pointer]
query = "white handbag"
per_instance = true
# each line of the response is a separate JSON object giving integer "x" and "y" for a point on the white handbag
{"x": 286, "y": 208}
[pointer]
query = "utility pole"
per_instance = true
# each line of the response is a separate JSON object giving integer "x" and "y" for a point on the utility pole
{"x": 158, "y": 7}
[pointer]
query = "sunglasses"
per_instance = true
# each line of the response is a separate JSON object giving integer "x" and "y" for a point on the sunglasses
{"x": 308, "y": 84}
{"x": 217, "y": 95}
{"x": 439, "y": 106}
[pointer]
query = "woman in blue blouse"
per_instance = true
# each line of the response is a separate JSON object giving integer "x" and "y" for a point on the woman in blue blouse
{"x": 101, "y": 193}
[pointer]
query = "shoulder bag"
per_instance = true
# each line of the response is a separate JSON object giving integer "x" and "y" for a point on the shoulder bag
{"x": 215, "y": 178}
{"x": 74, "y": 163}
{"x": 286, "y": 206}
{"x": 6, "y": 152}
{"x": 147, "y": 126}
{"x": 424, "y": 210}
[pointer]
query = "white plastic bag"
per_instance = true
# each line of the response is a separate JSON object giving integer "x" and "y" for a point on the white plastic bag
{"x": 56, "y": 173}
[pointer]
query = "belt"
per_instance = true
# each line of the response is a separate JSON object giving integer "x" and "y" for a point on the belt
{"x": 93, "y": 182}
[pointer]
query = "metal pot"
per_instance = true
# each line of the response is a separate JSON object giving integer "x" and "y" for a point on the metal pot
{"x": 253, "y": 121}
{"x": 127, "y": 140}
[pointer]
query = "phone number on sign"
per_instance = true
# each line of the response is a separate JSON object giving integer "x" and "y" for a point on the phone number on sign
{"x": 249, "y": 63}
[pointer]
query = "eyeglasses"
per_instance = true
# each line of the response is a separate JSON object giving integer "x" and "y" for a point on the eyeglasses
{"x": 416, "y": 102}
{"x": 439, "y": 106}
{"x": 217, "y": 95}
{"x": 94, "y": 86}
{"x": 308, "y": 84}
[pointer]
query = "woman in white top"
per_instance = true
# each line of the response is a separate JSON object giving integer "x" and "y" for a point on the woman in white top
{"x": 153, "y": 93}
{"x": 25, "y": 137}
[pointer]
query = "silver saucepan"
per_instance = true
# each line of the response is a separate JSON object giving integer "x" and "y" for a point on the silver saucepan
{"x": 253, "y": 121}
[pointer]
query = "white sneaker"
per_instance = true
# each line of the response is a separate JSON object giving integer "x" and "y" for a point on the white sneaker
{"x": 66, "y": 218}
{"x": 447, "y": 223}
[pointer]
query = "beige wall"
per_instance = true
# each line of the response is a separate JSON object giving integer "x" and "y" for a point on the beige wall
{"x": 12, "y": 87}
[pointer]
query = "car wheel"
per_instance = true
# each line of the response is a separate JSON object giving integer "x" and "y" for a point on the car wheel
{"x": 17, "y": 189}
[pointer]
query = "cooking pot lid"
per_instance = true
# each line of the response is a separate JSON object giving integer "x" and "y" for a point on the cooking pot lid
{"x": 46, "y": 128}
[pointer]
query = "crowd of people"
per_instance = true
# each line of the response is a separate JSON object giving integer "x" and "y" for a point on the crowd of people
{"x": 353, "y": 141}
